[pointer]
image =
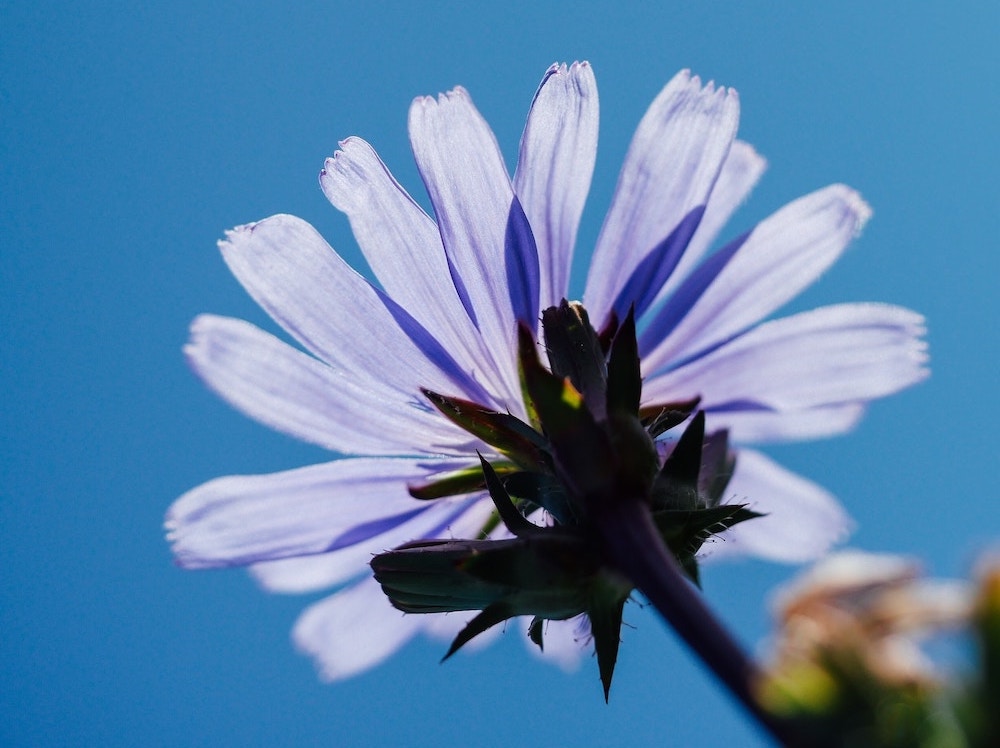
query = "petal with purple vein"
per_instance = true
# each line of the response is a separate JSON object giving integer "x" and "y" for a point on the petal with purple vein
{"x": 339, "y": 316}
{"x": 403, "y": 249}
{"x": 803, "y": 520}
{"x": 671, "y": 166}
{"x": 245, "y": 519}
{"x": 292, "y": 392}
{"x": 826, "y": 356}
{"x": 740, "y": 173}
{"x": 780, "y": 257}
{"x": 310, "y": 573}
{"x": 554, "y": 168}
{"x": 483, "y": 227}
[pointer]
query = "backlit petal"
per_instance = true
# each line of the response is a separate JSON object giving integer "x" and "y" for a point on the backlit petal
{"x": 803, "y": 520}
{"x": 740, "y": 173}
{"x": 554, "y": 167}
{"x": 353, "y": 630}
{"x": 294, "y": 393}
{"x": 244, "y": 519}
{"x": 486, "y": 236}
{"x": 827, "y": 356}
{"x": 672, "y": 164}
{"x": 781, "y": 256}
{"x": 309, "y": 573}
{"x": 763, "y": 426}
{"x": 339, "y": 316}
{"x": 403, "y": 248}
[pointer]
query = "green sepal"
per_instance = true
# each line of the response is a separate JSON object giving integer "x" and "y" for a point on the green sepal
{"x": 689, "y": 565}
{"x": 605, "y": 615}
{"x": 466, "y": 480}
{"x": 549, "y": 561}
{"x": 686, "y": 530}
{"x": 718, "y": 464}
{"x": 608, "y": 332}
{"x": 423, "y": 576}
{"x": 683, "y": 466}
{"x": 508, "y": 434}
{"x": 513, "y": 519}
{"x": 542, "y": 490}
{"x": 658, "y": 419}
{"x": 546, "y": 575}
{"x": 535, "y": 632}
{"x": 580, "y": 446}
{"x": 487, "y": 619}
{"x": 575, "y": 352}
{"x": 624, "y": 388}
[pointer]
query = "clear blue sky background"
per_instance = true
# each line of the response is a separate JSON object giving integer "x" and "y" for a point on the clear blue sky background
{"x": 132, "y": 135}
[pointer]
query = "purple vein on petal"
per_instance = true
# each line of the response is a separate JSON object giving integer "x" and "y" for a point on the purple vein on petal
{"x": 554, "y": 169}
{"x": 677, "y": 306}
{"x": 671, "y": 166}
{"x": 521, "y": 261}
{"x": 655, "y": 268}
{"x": 434, "y": 351}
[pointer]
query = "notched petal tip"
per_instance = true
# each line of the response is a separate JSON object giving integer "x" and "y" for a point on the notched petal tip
{"x": 239, "y": 234}
{"x": 456, "y": 95}
{"x": 856, "y": 210}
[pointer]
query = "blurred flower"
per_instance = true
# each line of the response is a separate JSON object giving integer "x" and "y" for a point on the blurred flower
{"x": 847, "y": 656}
{"x": 444, "y": 320}
{"x": 977, "y": 704}
{"x": 877, "y": 604}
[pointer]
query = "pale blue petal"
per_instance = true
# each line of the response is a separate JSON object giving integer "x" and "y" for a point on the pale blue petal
{"x": 311, "y": 573}
{"x": 323, "y": 303}
{"x": 766, "y": 426}
{"x": 740, "y": 173}
{"x": 403, "y": 249}
{"x": 778, "y": 259}
{"x": 353, "y": 630}
{"x": 827, "y": 356}
{"x": 245, "y": 519}
{"x": 803, "y": 520}
{"x": 483, "y": 227}
{"x": 673, "y": 162}
{"x": 554, "y": 167}
{"x": 298, "y": 395}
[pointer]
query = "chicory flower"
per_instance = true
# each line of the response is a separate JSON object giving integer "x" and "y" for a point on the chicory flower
{"x": 444, "y": 318}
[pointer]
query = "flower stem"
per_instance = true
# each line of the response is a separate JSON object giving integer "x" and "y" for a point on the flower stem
{"x": 633, "y": 544}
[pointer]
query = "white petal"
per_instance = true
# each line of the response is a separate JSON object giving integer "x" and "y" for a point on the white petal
{"x": 827, "y": 356}
{"x": 294, "y": 393}
{"x": 761, "y": 426}
{"x": 483, "y": 228}
{"x": 673, "y": 162}
{"x": 566, "y": 642}
{"x": 352, "y": 631}
{"x": 243, "y": 519}
{"x": 309, "y": 290}
{"x": 403, "y": 249}
{"x": 740, "y": 173}
{"x": 309, "y": 573}
{"x": 554, "y": 167}
{"x": 782, "y": 255}
{"x": 803, "y": 520}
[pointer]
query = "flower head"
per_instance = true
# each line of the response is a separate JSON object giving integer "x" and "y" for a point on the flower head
{"x": 380, "y": 361}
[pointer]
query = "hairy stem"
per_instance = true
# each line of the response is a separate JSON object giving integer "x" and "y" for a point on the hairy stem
{"x": 633, "y": 544}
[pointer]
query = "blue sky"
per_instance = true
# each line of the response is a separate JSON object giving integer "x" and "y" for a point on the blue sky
{"x": 131, "y": 137}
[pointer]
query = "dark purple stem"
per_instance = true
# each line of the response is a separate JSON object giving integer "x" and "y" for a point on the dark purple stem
{"x": 634, "y": 545}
